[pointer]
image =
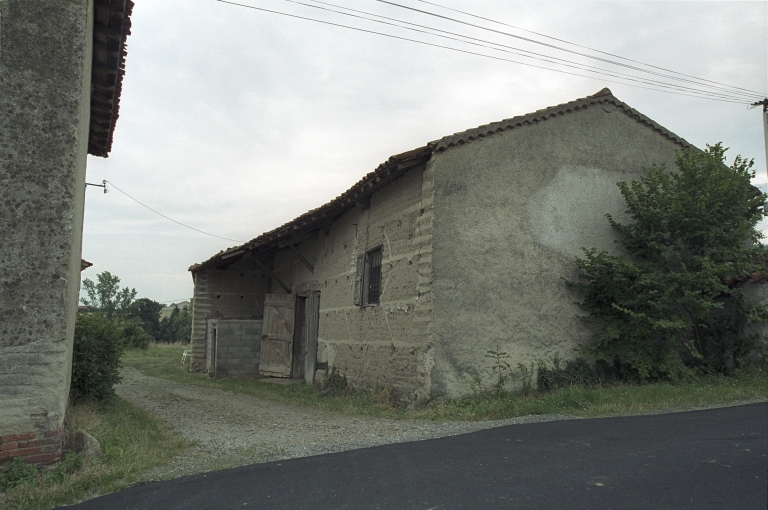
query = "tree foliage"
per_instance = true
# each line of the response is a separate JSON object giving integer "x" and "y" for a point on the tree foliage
{"x": 177, "y": 327}
{"x": 672, "y": 300}
{"x": 106, "y": 295}
{"x": 147, "y": 312}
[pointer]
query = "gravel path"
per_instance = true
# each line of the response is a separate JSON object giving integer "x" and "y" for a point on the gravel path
{"x": 233, "y": 430}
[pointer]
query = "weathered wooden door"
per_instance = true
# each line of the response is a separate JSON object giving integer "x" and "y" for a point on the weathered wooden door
{"x": 277, "y": 335}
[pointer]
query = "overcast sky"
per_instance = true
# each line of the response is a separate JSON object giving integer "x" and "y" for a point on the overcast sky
{"x": 235, "y": 121}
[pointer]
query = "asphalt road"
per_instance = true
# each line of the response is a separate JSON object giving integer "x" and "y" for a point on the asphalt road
{"x": 716, "y": 458}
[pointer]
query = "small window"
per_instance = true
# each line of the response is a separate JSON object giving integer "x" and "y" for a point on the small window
{"x": 368, "y": 291}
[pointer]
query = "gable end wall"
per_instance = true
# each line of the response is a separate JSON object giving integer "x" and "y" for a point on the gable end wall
{"x": 512, "y": 211}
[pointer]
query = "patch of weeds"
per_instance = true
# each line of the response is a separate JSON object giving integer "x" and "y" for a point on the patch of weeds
{"x": 16, "y": 473}
{"x": 527, "y": 375}
{"x": 336, "y": 384}
{"x": 476, "y": 386}
{"x": 72, "y": 462}
{"x": 386, "y": 396}
{"x": 500, "y": 367}
{"x": 578, "y": 372}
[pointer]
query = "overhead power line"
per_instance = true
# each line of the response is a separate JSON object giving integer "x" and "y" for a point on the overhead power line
{"x": 721, "y": 98}
{"x": 584, "y": 47}
{"x": 168, "y": 217}
{"x": 518, "y": 51}
{"x": 528, "y": 39}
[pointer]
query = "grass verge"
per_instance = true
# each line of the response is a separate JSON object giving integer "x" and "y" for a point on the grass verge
{"x": 132, "y": 441}
{"x": 624, "y": 399}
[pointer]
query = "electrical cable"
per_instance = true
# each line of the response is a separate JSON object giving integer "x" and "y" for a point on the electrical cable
{"x": 527, "y": 39}
{"x": 168, "y": 218}
{"x": 538, "y": 56}
{"x": 296, "y": 16}
{"x": 582, "y": 46}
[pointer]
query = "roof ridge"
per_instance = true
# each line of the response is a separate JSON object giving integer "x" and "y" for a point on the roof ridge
{"x": 604, "y": 95}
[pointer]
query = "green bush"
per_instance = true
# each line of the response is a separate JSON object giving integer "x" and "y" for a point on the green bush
{"x": 671, "y": 304}
{"x": 134, "y": 335}
{"x": 15, "y": 473}
{"x": 96, "y": 358}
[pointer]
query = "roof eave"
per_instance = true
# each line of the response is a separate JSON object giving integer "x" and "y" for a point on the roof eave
{"x": 111, "y": 28}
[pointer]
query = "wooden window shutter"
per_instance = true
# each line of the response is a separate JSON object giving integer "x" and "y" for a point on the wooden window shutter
{"x": 358, "y": 280}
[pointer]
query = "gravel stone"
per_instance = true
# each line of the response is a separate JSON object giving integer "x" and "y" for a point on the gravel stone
{"x": 230, "y": 429}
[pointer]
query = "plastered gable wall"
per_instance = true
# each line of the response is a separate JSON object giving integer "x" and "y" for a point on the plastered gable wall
{"x": 511, "y": 213}
{"x": 389, "y": 344}
{"x": 235, "y": 292}
{"x": 45, "y": 69}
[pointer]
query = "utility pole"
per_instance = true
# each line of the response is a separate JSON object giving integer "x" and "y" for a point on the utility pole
{"x": 764, "y": 104}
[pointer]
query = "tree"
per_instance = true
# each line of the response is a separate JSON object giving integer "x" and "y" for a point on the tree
{"x": 106, "y": 295}
{"x": 147, "y": 312}
{"x": 673, "y": 301}
{"x": 177, "y": 327}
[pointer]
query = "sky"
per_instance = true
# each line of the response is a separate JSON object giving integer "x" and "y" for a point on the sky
{"x": 234, "y": 121}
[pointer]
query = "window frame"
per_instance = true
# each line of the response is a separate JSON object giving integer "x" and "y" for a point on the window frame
{"x": 369, "y": 266}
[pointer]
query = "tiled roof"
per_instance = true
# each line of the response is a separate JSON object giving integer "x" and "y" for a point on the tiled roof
{"x": 111, "y": 27}
{"x": 399, "y": 164}
{"x": 604, "y": 97}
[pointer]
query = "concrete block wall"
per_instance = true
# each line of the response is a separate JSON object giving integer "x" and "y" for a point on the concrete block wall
{"x": 238, "y": 344}
{"x": 388, "y": 344}
{"x": 45, "y": 93}
{"x": 234, "y": 292}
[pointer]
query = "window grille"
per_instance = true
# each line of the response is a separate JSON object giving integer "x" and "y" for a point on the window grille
{"x": 371, "y": 288}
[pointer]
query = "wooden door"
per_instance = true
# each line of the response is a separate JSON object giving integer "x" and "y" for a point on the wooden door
{"x": 277, "y": 335}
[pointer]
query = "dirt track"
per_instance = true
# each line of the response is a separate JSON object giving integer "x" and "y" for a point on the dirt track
{"x": 233, "y": 430}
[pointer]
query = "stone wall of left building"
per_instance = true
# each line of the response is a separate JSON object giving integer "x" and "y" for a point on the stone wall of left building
{"x": 45, "y": 78}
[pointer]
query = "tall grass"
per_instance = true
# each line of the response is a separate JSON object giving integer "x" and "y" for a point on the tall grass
{"x": 132, "y": 441}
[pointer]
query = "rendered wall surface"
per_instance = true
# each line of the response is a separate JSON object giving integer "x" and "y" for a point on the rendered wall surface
{"x": 45, "y": 69}
{"x": 235, "y": 292}
{"x": 511, "y": 213}
{"x": 388, "y": 344}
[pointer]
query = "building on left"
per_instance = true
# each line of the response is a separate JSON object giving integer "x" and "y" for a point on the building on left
{"x": 61, "y": 71}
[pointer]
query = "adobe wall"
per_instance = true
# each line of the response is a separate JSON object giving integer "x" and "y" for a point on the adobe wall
{"x": 388, "y": 344}
{"x": 45, "y": 70}
{"x": 511, "y": 213}
{"x": 235, "y": 292}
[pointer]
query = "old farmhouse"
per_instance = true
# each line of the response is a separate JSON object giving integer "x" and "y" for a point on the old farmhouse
{"x": 440, "y": 254}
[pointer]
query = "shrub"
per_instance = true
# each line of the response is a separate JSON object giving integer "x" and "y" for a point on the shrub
{"x": 134, "y": 335}
{"x": 671, "y": 303}
{"x": 15, "y": 473}
{"x": 96, "y": 358}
